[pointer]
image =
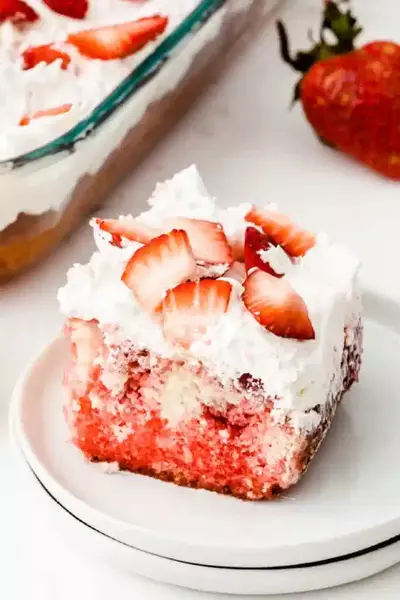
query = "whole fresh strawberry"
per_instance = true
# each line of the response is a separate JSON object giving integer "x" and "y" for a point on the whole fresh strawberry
{"x": 351, "y": 97}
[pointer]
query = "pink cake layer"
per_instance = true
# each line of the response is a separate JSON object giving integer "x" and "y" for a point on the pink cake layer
{"x": 225, "y": 439}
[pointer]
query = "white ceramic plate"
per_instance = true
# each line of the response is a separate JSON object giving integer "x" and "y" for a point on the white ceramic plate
{"x": 347, "y": 502}
{"x": 48, "y": 513}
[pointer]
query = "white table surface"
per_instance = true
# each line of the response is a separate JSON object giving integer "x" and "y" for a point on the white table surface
{"x": 249, "y": 147}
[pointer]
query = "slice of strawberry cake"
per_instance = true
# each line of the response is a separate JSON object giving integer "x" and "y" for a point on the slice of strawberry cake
{"x": 209, "y": 347}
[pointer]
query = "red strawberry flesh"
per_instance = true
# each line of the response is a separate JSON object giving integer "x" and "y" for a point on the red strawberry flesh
{"x": 49, "y": 112}
{"x": 237, "y": 245}
{"x": 255, "y": 244}
{"x": 118, "y": 41}
{"x": 236, "y": 271}
{"x": 47, "y": 53}
{"x": 192, "y": 307}
{"x": 207, "y": 239}
{"x": 293, "y": 239}
{"x": 130, "y": 229}
{"x": 277, "y": 307}
{"x": 162, "y": 264}
{"x": 17, "y": 11}
{"x": 75, "y": 9}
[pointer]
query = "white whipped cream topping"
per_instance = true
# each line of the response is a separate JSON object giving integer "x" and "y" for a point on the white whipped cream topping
{"x": 84, "y": 84}
{"x": 299, "y": 373}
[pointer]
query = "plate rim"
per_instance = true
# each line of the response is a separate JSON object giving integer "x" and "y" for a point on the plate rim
{"x": 174, "y": 547}
{"x": 228, "y": 581}
{"x": 337, "y": 559}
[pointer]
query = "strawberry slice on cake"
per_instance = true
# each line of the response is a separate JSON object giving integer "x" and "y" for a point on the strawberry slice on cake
{"x": 159, "y": 266}
{"x": 276, "y": 306}
{"x": 191, "y": 307}
{"x": 256, "y": 245}
{"x": 293, "y": 239}
{"x": 227, "y": 383}
{"x": 48, "y": 112}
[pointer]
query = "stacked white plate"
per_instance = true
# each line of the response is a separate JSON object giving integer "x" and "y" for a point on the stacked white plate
{"x": 342, "y": 523}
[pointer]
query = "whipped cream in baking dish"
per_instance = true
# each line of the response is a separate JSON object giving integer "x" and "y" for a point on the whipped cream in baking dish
{"x": 64, "y": 170}
{"x": 83, "y": 84}
{"x": 300, "y": 373}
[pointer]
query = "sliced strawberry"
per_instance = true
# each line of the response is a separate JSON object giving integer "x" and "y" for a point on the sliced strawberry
{"x": 294, "y": 240}
{"x": 75, "y": 9}
{"x": 207, "y": 239}
{"x": 128, "y": 229}
{"x": 236, "y": 271}
{"x": 237, "y": 246}
{"x": 193, "y": 306}
{"x": 277, "y": 307}
{"x": 118, "y": 41}
{"x": 49, "y": 112}
{"x": 162, "y": 264}
{"x": 17, "y": 11}
{"x": 255, "y": 243}
{"x": 47, "y": 53}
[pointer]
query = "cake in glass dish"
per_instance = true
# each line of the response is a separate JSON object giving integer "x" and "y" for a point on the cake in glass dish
{"x": 92, "y": 85}
{"x": 209, "y": 347}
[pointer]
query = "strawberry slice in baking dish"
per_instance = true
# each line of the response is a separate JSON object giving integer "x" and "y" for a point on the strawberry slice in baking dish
{"x": 17, "y": 11}
{"x": 74, "y": 9}
{"x": 47, "y": 53}
{"x": 118, "y": 41}
{"x": 48, "y": 112}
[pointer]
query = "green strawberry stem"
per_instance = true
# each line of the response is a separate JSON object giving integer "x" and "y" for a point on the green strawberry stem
{"x": 340, "y": 22}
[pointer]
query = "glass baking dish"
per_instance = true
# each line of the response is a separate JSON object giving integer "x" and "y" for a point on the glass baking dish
{"x": 46, "y": 192}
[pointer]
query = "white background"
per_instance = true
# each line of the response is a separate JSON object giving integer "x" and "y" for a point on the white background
{"x": 249, "y": 147}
